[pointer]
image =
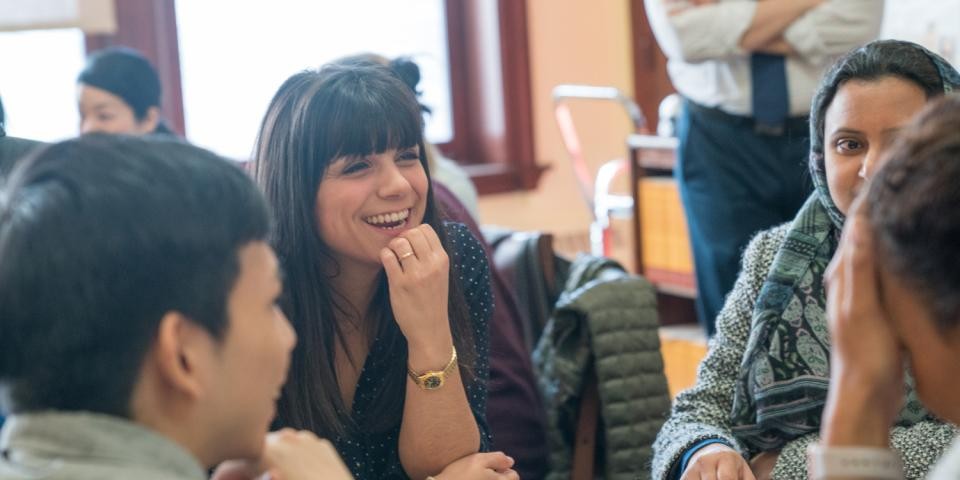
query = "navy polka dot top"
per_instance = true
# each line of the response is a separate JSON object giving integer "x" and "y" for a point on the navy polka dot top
{"x": 376, "y": 456}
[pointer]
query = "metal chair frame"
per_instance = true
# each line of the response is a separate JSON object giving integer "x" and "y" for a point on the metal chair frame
{"x": 596, "y": 190}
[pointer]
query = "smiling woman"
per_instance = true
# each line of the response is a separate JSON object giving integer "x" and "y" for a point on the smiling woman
{"x": 354, "y": 188}
{"x": 384, "y": 321}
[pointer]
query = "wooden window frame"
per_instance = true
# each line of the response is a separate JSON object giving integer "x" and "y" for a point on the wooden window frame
{"x": 650, "y": 80}
{"x": 493, "y": 127}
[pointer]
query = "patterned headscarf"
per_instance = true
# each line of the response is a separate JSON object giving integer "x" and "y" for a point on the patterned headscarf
{"x": 785, "y": 371}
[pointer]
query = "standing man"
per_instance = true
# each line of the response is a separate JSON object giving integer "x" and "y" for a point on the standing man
{"x": 747, "y": 70}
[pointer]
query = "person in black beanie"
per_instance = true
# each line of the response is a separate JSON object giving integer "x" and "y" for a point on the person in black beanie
{"x": 118, "y": 91}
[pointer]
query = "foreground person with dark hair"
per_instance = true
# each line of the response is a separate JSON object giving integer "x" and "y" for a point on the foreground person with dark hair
{"x": 894, "y": 290}
{"x": 142, "y": 335}
{"x": 137, "y": 307}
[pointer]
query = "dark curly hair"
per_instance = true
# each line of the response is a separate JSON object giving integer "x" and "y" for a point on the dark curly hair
{"x": 913, "y": 206}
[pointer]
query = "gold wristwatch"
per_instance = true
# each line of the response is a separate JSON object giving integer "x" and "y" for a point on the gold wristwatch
{"x": 432, "y": 380}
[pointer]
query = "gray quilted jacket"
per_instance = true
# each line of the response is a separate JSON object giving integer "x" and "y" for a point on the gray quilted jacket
{"x": 704, "y": 411}
{"x": 611, "y": 316}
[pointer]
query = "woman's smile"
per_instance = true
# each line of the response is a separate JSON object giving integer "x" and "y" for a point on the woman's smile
{"x": 390, "y": 220}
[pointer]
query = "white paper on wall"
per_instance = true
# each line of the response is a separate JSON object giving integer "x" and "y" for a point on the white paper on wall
{"x": 91, "y": 16}
{"x": 934, "y": 24}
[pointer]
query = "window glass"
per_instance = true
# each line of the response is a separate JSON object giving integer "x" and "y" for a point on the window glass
{"x": 235, "y": 55}
{"x": 38, "y": 83}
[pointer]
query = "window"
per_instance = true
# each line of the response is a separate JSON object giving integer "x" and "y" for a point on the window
{"x": 226, "y": 90}
{"x": 485, "y": 42}
{"x": 38, "y": 93}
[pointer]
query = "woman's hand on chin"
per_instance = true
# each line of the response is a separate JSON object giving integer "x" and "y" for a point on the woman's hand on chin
{"x": 866, "y": 358}
{"x": 418, "y": 272}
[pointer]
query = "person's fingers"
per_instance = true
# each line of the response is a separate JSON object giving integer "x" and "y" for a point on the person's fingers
{"x": 703, "y": 470}
{"x": 864, "y": 274}
{"x": 859, "y": 205}
{"x": 402, "y": 248}
{"x": 837, "y": 285}
{"x": 707, "y": 473}
{"x": 236, "y": 470}
{"x": 391, "y": 264}
{"x": 495, "y": 460}
{"x": 693, "y": 472}
{"x": 273, "y": 474}
{"x": 746, "y": 473}
{"x": 727, "y": 469}
{"x": 308, "y": 435}
{"x": 831, "y": 274}
{"x": 851, "y": 279}
{"x": 510, "y": 475}
{"x": 418, "y": 241}
{"x": 431, "y": 235}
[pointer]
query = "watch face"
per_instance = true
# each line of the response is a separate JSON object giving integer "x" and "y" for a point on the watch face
{"x": 431, "y": 382}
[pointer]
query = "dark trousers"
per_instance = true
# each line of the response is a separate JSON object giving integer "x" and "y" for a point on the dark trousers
{"x": 734, "y": 182}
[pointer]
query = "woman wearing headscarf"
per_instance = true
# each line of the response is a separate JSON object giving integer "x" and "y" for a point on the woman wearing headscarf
{"x": 760, "y": 391}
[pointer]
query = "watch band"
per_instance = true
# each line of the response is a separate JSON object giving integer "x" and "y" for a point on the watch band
{"x": 853, "y": 462}
{"x": 447, "y": 370}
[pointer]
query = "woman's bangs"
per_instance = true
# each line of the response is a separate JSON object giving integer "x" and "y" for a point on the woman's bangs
{"x": 366, "y": 128}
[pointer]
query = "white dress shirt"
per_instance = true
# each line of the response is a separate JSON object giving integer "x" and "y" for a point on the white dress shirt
{"x": 706, "y": 64}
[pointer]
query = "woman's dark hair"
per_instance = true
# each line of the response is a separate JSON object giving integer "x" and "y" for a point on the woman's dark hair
{"x": 913, "y": 205}
{"x": 403, "y": 67}
{"x": 874, "y": 61}
{"x": 127, "y": 74}
{"x": 100, "y": 237}
{"x": 314, "y": 118}
{"x": 409, "y": 72}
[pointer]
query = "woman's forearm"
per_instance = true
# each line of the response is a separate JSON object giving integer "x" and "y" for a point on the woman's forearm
{"x": 779, "y": 46}
{"x": 438, "y": 426}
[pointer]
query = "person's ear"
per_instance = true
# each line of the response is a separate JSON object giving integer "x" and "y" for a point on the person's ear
{"x": 951, "y": 336}
{"x": 150, "y": 121}
{"x": 183, "y": 353}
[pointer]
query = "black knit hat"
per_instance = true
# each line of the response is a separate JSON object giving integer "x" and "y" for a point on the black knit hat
{"x": 125, "y": 73}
